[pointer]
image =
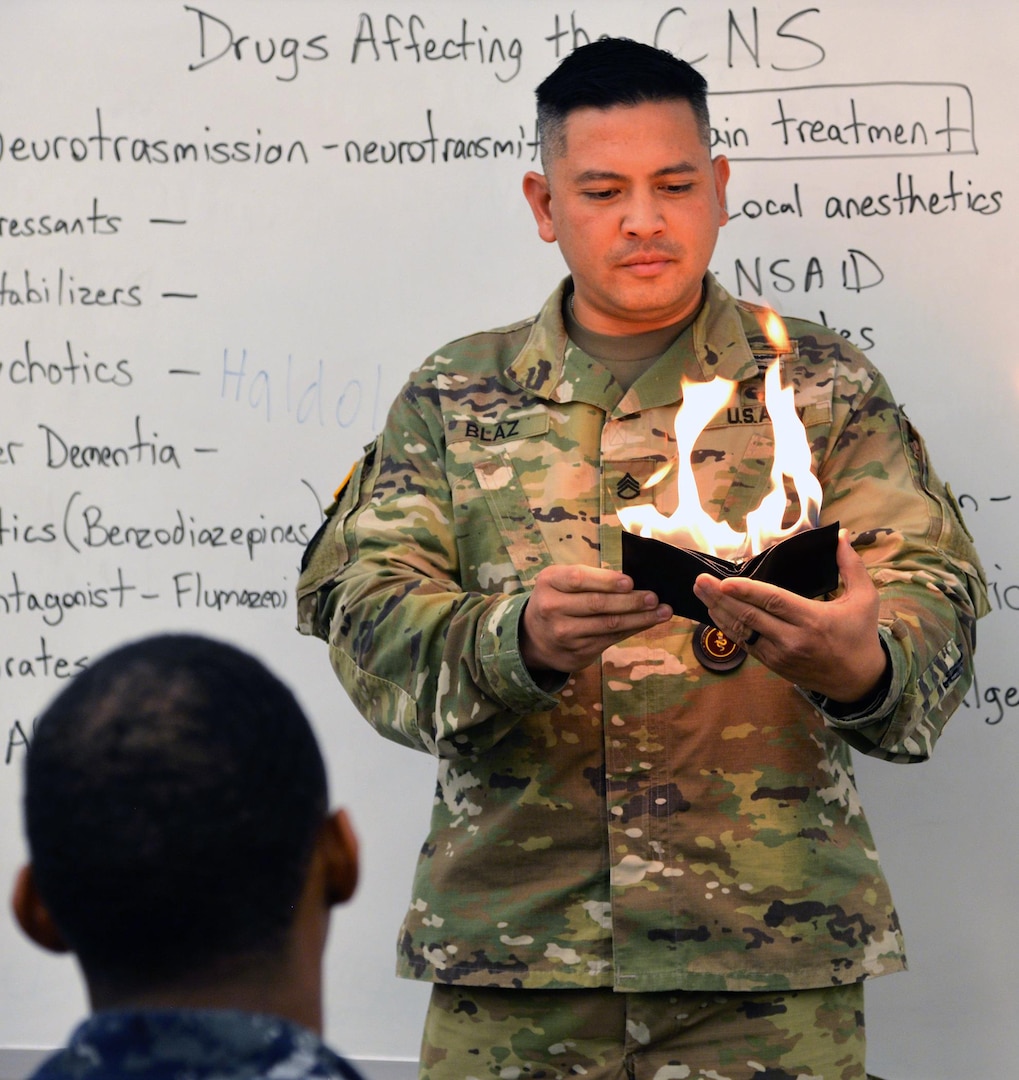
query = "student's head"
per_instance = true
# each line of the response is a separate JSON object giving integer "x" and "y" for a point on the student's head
{"x": 176, "y": 813}
{"x": 630, "y": 192}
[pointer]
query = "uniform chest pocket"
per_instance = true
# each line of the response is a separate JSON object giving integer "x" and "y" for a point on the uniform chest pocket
{"x": 512, "y": 515}
{"x": 729, "y": 474}
{"x": 522, "y": 506}
{"x": 498, "y": 539}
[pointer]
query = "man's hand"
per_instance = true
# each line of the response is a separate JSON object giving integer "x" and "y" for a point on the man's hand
{"x": 830, "y": 647}
{"x": 575, "y": 612}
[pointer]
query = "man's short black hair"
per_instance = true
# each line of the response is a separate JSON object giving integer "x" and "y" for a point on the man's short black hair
{"x": 615, "y": 71}
{"x": 174, "y": 791}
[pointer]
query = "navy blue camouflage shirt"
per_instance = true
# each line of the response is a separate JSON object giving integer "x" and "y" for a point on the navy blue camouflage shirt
{"x": 199, "y": 1044}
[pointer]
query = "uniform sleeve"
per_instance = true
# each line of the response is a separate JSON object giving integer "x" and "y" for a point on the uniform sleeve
{"x": 428, "y": 664}
{"x": 906, "y": 525}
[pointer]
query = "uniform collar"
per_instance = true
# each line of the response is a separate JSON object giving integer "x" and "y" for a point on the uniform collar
{"x": 195, "y": 1042}
{"x": 551, "y": 367}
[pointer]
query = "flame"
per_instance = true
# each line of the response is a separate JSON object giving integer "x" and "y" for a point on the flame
{"x": 775, "y": 332}
{"x": 690, "y": 525}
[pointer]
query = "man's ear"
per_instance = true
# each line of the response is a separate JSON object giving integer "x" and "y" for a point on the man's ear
{"x": 539, "y": 198}
{"x": 339, "y": 847}
{"x": 33, "y": 915}
{"x": 720, "y": 171}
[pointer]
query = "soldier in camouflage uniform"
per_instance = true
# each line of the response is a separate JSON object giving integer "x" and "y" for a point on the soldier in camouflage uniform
{"x": 181, "y": 847}
{"x": 639, "y": 865}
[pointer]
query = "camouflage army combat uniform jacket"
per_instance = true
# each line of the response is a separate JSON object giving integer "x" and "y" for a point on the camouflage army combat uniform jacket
{"x": 644, "y": 824}
{"x": 193, "y": 1044}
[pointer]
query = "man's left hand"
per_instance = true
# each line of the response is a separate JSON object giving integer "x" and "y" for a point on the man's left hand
{"x": 830, "y": 647}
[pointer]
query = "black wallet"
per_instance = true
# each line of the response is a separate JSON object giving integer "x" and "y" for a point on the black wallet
{"x": 804, "y": 564}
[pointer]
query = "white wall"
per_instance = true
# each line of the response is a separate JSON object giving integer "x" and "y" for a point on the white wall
{"x": 311, "y": 287}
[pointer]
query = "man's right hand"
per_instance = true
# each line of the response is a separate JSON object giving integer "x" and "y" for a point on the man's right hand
{"x": 574, "y": 613}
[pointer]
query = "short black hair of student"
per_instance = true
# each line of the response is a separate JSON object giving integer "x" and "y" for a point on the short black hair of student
{"x": 174, "y": 791}
{"x": 615, "y": 71}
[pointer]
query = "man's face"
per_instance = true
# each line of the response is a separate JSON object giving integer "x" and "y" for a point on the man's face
{"x": 635, "y": 204}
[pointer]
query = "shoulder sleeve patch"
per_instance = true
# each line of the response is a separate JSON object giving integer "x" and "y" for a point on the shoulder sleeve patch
{"x": 332, "y": 548}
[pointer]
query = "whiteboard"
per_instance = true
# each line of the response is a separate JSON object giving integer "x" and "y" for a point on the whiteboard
{"x": 230, "y": 228}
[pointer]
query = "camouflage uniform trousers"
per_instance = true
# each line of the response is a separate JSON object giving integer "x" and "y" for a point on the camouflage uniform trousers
{"x": 480, "y": 1033}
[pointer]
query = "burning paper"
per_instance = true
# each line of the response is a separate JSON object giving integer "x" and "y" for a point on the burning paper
{"x": 690, "y": 526}
{"x": 798, "y": 557}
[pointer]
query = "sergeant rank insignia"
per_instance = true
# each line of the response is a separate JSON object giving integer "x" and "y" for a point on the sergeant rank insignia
{"x": 628, "y": 488}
